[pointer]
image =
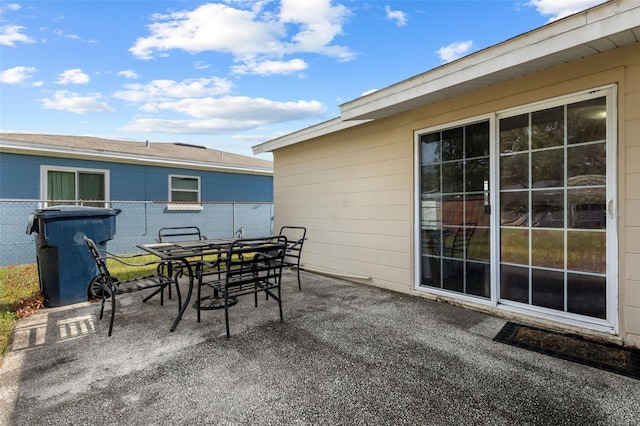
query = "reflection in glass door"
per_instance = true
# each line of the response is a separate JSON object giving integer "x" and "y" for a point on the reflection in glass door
{"x": 454, "y": 215}
{"x": 553, "y": 219}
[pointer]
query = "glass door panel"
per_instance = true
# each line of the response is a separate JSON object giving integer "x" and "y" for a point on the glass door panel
{"x": 454, "y": 187}
{"x": 553, "y": 208}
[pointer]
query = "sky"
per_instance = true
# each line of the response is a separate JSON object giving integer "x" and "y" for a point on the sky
{"x": 229, "y": 74}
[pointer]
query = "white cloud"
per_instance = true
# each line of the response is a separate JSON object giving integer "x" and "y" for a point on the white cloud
{"x": 74, "y": 76}
{"x": 250, "y": 35}
{"x": 561, "y": 8}
{"x": 64, "y": 100}
{"x": 252, "y": 139}
{"x": 153, "y": 125}
{"x": 12, "y": 34}
{"x": 201, "y": 65}
{"x": 210, "y": 27}
{"x": 226, "y": 114}
{"x": 61, "y": 33}
{"x": 241, "y": 108}
{"x": 319, "y": 23}
{"x": 16, "y": 75}
{"x": 200, "y": 100}
{"x": 396, "y": 15}
{"x": 170, "y": 89}
{"x": 128, "y": 74}
{"x": 13, "y": 7}
{"x": 270, "y": 67}
{"x": 454, "y": 50}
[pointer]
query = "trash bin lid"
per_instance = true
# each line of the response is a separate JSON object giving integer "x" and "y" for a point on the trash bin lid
{"x": 74, "y": 211}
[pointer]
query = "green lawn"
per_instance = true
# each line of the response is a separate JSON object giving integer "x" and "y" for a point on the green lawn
{"x": 19, "y": 295}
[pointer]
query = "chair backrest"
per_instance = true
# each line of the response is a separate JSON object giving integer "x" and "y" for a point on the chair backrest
{"x": 179, "y": 233}
{"x": 100, "y": 261}
{"x": 254, "y": 260}
{"x": 295, "y": 239}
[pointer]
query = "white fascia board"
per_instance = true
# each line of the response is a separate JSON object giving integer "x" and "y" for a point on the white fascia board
{"x": 530, "y": 51}
{"x": 48, "y": 150}
{"x": 317, "y": 130}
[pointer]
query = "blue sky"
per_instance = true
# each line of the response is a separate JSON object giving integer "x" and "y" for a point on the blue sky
{"x": 229, "y": 74}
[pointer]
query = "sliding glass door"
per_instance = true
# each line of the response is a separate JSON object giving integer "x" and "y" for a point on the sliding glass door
{"x": 545, "y": 241}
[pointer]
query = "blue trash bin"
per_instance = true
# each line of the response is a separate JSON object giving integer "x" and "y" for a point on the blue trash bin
{"x": 65, "y": 265}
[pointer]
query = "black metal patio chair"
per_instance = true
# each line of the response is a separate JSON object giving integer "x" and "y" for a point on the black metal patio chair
{"x": 247, "y": 266}
{"x": 172, "y": 234}
{"x": 295, "y": 239}
{"x": 105, "y": 286}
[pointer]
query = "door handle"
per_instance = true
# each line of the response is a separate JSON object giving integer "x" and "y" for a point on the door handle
{"x": 610, "y": 208}
{"x": 487, "y": 205}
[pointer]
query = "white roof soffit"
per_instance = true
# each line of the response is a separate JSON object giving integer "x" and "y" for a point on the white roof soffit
{"x": 314, "y": 131}
{"x": 599, "y": 29}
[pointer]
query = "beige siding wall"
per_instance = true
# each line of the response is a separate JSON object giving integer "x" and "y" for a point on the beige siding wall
{"x": 354, "y": 190}
{"x": 629, "y": 212}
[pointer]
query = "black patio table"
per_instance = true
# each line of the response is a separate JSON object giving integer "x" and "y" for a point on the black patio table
{"x": 184, "y": 252}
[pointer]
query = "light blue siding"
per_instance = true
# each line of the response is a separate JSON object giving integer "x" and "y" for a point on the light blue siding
{"x": 20, "y": 178}
{"x": 139, "y": 222}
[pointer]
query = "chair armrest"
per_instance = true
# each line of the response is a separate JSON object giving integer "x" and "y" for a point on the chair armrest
{"x": 125, "y": 260}
{"x": 203, "y": 266}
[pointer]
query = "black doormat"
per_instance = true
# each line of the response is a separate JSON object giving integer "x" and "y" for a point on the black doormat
{"x": 605, "y": 356}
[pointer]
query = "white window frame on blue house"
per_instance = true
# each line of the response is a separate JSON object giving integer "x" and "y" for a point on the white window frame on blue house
{"x": 44, "y": 187}
{"x": 192, "y": 205}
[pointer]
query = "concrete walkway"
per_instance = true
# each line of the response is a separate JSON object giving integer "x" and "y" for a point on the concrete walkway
{"x": 345, "y": 354}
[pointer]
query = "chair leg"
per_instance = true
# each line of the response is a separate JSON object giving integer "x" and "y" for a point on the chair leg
{"x": 104, "y": 298}
{"x": 279, "y": 281}
{"x": 113, "y": 312}
{"x": 255, "y": 295}
{"x": 177, "y": 293}
{"x": 226, "y": 314}
{"x": 298, "y": 271}
{"x": 198, "y": 295}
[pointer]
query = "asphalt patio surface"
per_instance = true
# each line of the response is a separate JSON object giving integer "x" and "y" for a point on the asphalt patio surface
{"x": 345, "y": 354}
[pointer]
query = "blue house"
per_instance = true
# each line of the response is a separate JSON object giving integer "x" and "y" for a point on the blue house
{"x": 154, "y": 184}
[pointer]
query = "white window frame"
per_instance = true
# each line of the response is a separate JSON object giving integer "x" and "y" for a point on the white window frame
{"x": 45, "y": 169}
{"x": 184, "y": 205}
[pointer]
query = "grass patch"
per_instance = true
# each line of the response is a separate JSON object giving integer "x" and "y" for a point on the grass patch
{"x": 19, "y": 296}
